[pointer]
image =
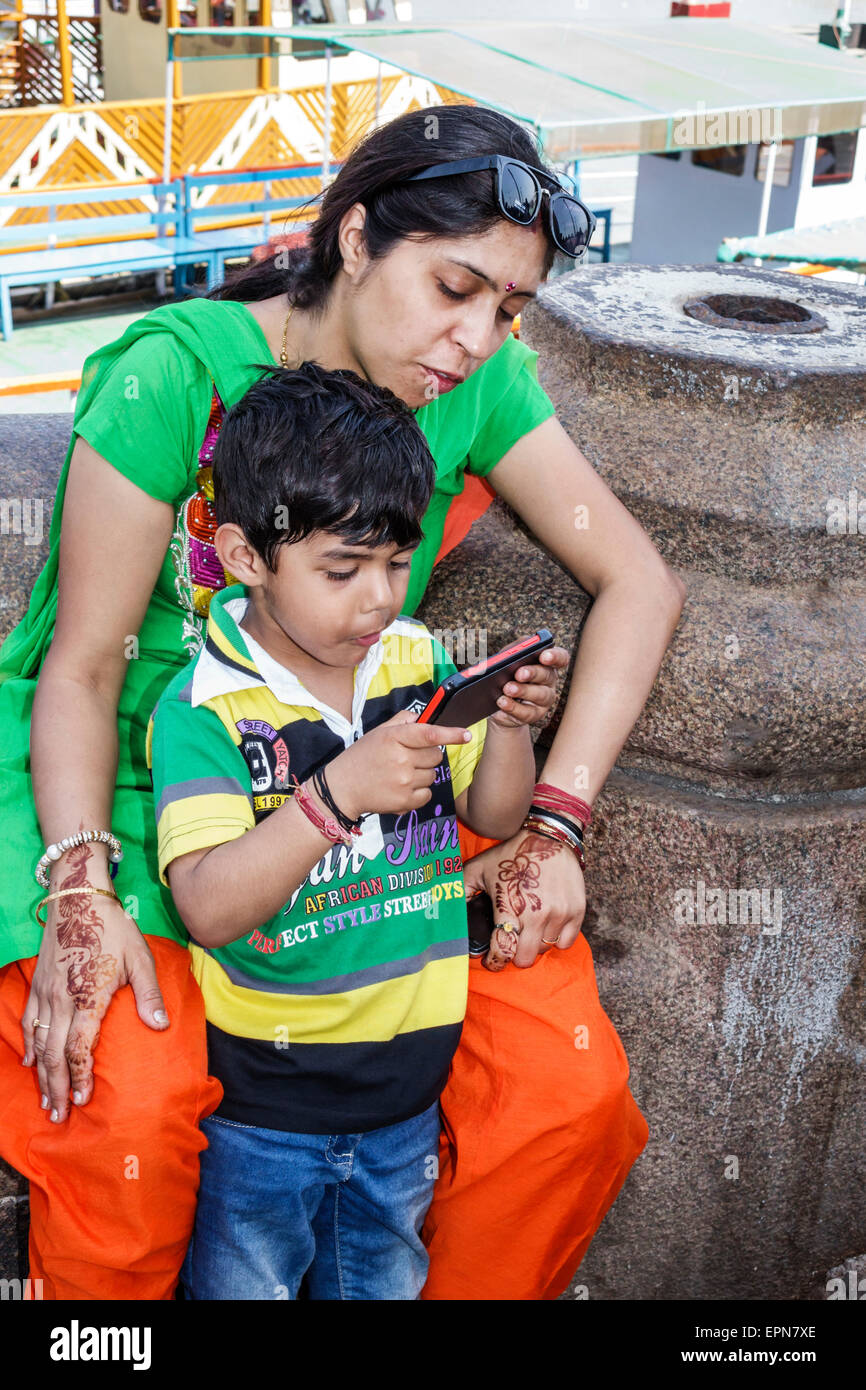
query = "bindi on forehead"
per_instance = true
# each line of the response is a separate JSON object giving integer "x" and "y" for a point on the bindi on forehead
{"x": 488, "y": 280}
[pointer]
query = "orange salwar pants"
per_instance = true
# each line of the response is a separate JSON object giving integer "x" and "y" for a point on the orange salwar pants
{"x": 113, "y": 1188}
{"x": 539, "y": 1129}
{"x": 540, "y": 1133}
{"x": 539, "y": 1126}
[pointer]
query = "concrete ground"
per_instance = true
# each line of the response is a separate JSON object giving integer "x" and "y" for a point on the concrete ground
{"x": 61, "y": 343}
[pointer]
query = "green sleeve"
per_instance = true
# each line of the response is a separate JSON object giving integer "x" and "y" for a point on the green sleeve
{"x": 462, "y": 760}
{"x": 521, "y": 403}
{"x": 201, "y": 782}
{"x": 149, "y": 414}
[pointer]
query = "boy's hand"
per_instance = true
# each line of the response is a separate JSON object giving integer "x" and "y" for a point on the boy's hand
{"x": 391, "y": 768}
{"x": 530, "y": 696}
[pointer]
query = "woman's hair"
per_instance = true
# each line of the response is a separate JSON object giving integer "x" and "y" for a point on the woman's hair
{"x": 464, "y": 205}
{"x": 307, "y": 449}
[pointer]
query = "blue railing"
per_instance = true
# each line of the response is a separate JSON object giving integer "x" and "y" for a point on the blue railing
{"x": 183, "y": 223}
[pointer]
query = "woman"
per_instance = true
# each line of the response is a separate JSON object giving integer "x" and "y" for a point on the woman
{"x": 414, "y": 284}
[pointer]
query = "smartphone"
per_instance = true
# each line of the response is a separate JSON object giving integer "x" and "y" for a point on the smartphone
{"x": 479, "y": 917}
{"x": 469, "y": 696}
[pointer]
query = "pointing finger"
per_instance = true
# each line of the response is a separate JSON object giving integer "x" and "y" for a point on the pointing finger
{"x": 437, "y": 734}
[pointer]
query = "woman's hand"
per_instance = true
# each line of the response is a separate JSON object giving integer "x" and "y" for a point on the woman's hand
{"x": 91, "y": 948}
{"x": 535, "y": 884}
{"x": 531, "y": 695}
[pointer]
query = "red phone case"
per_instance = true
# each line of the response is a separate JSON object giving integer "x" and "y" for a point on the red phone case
{"x": 463, "y": 681}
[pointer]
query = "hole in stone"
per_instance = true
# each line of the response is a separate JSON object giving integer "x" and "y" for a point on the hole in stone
{"x": 754, "y": 313}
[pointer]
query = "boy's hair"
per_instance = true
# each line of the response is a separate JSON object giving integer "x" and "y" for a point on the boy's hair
{"x": 307, "y": 449}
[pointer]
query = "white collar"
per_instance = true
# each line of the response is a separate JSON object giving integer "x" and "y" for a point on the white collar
{"x": 213, "y": 677}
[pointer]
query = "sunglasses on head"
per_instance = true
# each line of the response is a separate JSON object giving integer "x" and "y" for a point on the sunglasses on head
{"x": 520, "y": 196}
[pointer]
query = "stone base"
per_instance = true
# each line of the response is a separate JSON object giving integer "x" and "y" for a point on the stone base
{"x": 746, "y": 1039}
{"x": 14, "y": 1223}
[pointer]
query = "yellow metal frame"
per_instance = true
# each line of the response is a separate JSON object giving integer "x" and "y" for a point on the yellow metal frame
{"x": 199, "y": 124}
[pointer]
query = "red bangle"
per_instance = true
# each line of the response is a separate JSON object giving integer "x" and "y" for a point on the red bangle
{"x": 557, "y": 810}
{"x": 557, "y": 799}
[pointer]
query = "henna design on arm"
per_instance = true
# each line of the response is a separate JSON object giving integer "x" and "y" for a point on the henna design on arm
{"x": 89, "y": 970}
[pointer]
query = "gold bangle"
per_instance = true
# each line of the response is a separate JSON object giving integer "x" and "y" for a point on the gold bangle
{"x": 66, "y": 893}
{"x": 547, "y": 832}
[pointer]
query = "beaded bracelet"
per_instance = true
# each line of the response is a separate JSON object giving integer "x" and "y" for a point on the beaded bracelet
{"x": 83, "y": 837}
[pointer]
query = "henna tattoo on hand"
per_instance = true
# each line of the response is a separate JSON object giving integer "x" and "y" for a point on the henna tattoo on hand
{"x": 503, "y": 948}
{"x": 515, "y": 892}
{"x": 89, "y": 970}
{"x": 520, "y": 876}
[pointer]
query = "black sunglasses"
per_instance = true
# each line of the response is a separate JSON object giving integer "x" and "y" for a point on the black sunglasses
{"x": 520, "y": 196}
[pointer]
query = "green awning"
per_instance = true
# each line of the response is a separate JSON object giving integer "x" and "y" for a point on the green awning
{"x": 606, "y": 88}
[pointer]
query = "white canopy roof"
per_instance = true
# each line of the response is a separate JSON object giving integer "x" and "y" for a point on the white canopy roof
{"x": 600, "y": 89}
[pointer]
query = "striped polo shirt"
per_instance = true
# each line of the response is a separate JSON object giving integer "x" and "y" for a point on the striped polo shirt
{"x": 342, "y": 1013}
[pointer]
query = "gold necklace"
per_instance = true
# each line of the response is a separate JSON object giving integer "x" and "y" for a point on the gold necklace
{"x": 284, "y": 356}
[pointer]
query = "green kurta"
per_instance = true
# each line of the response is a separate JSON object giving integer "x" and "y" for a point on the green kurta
{"x": 144, "y": 406}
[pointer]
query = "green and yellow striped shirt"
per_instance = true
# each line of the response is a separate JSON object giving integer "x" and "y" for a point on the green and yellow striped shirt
{"x": 340, "y": 1014}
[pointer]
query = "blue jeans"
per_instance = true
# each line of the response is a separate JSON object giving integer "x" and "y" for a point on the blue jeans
{"x": 344, "y": 1210}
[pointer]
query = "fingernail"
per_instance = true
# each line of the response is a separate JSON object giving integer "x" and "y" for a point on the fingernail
{"x": 76, "y": 1096}
{"x": 467, "y": 736}
{"x": 44, "y": 1102}
{"x": 54, "y": 1116}
{"x": 160, "y": 1016}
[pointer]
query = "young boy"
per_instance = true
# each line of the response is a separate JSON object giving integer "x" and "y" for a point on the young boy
{"x": 327, "y": 917}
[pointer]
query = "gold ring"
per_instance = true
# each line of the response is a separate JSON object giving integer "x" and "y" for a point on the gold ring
{"x": 550, "y": 943}
{"x": 509, "y": 927}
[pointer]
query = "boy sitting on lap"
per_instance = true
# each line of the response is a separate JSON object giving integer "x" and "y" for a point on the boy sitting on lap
{"x": 307, "y": 832}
